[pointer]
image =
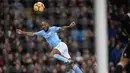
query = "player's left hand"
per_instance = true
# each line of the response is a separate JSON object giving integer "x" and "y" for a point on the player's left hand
{"x": 72, "y": 24}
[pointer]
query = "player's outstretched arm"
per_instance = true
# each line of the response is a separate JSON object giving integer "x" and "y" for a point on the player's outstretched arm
{"x": 72, "y": 25}
{"x": 18, "y": 31}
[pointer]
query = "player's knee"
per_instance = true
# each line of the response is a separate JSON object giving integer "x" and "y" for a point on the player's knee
{"x": 119, "y": 69}
{"x": 51, "y": 55}
{"x": 72, "y": 65}
{"x": 48, "y": 56}
{"x": 120, "y": 65}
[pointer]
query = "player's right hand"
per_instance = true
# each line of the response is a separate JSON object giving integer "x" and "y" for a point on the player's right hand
{"x": 72, "y": 24}
{"x": 18, "y": 31}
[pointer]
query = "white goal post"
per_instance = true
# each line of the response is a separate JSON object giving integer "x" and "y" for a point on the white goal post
{"x": 100, "y": 7}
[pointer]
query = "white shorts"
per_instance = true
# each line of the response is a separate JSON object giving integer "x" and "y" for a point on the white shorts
{"x": 62, "y": 47}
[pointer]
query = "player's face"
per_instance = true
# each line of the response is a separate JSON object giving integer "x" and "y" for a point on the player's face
{"x": 45, "y": 27}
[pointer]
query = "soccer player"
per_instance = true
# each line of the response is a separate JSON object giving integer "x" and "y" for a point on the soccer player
{"x": 125, "y": 58}
{"x": 60, "y": 49}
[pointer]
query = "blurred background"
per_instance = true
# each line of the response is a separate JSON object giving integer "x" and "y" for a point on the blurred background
{"x": 24, "y": 54}
{"x": 117, "y": 9}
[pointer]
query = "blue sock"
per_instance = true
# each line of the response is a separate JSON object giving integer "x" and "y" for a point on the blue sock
{"x": 61, "y": 58}
{"x": 77, "y": 69}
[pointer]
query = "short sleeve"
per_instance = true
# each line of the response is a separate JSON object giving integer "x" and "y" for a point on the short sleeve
{"x": 54, "y": 28}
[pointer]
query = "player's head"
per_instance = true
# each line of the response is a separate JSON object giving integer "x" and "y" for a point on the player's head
{"x": 44, "y": 25}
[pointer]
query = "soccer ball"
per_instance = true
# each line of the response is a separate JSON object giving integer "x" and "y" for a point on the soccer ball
{"x": 38, "y": 7}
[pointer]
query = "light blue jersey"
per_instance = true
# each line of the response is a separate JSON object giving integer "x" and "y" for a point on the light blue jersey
{"x": 51, "y": 35}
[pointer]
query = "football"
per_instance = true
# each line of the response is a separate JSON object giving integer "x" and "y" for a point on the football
{"x": 38, "y": 7}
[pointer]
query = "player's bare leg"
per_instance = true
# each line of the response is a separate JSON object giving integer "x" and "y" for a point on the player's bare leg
{"x": 123, "y": 62}
{"x": 55, "y": 53}
{"x": 70, "y": 65}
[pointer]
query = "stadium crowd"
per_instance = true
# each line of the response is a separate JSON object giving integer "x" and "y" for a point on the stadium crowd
{"x": 116, "y": 42}
{"x": 24, "y": 54}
